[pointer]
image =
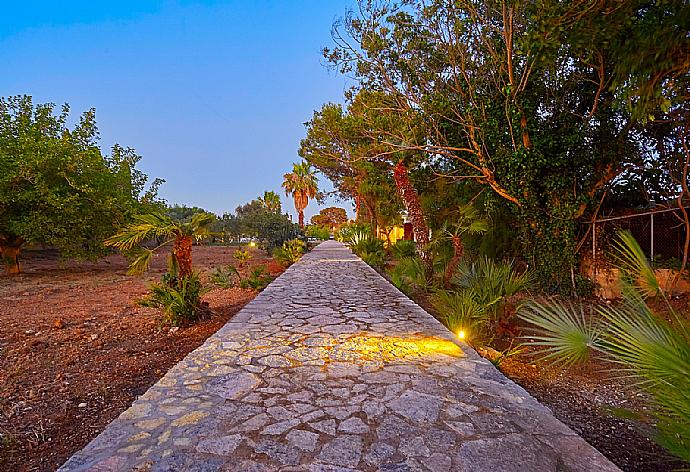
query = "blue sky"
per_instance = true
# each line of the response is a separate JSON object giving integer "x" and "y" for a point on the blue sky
{"x": 212, "y": 94}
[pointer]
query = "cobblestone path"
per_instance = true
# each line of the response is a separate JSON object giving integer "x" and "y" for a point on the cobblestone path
{"x": 332, "y": 369}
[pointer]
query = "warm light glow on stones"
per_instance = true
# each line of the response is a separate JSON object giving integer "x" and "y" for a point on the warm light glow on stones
{"x": 387, "y": 349}
{"x": 462, "y": 335}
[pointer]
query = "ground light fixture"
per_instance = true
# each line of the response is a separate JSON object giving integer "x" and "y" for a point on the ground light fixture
{"x": 461, "y": 334}
{"x": 252, "y": 244}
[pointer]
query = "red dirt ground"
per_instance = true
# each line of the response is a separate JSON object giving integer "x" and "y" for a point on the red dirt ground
{"x": 75, "y": 350}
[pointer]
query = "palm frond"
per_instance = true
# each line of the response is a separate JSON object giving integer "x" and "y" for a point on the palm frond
{"x": 567, "y": 335}
{"x": 140, "y": 263}
{"x": 654, "y": 351}
{"x": 458, "y": 310}
{"x": 145, "y": 227}
{"x": 634, "y": 266}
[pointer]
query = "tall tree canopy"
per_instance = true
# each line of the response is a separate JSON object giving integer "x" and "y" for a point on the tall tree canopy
{"x": 538, "y": 106}
{"x": 56, "y": 188}
{"x": 331, "y": 217}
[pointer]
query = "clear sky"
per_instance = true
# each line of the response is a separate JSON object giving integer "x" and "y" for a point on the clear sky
{"x": 212, "y": 94}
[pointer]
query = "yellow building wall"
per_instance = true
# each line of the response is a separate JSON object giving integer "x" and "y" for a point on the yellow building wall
{"x": 396, "y": 233}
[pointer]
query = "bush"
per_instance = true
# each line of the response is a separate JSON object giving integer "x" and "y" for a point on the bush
{"x": 348, "y": 230}
{"x": 225, "y": 277}
{"x": 180, "y": 301}
{"x": 403, "y": 249}
{"x": 459, "y": 310}
{"x": 258, "y": 279}
{"x": 408, "y": 275}
{"x": 492, "y": 281}
{"x": 650, "y": 349}
{"x": 318, "y": 232}
{"x": 369, "y": 248}
{"x": 242, "y": 255}
{"x": 290, "y": 252}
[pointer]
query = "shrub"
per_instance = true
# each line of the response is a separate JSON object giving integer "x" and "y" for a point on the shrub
{"x": 180, "y": 301}
{"x": 290, "y": 252}
{"x": 646, "y": 346}
{"x": 258, "y": 279}
{"x": 409, "y": 274}
{"x": 346, "y": 231}
{"x": 403, "y": 249}
{"x": 242, "y": 255}
{"x": 491, "y": 281}
{"x": 318, "y": 232}
{"x": 459, "y": 310}
{"x": 225, "y": 277}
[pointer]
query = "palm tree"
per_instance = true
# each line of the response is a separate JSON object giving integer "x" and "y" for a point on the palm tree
{"x": 302, "y": 184}
{"x": 468, "y": 221}
{"x": 155, "y": 226}
{"x": 271, "y": 201}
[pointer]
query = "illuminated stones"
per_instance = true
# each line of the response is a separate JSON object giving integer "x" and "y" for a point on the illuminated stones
{"x": 331, "y": 369}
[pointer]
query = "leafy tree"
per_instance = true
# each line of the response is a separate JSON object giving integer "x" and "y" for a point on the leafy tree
{"x": 301, "y": 183}
{"x": 271, "y": 201}
{"x": 254, "y": 219}
{"x": 56, "y": 188}
{"x": 331, "y": 217}
{"x": 528, "y": 100}
{"x": 183, "y": 213}
{"x": 154, "y": 226}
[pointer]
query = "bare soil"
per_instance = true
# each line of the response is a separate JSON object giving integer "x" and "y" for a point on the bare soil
{"x": 75, "y": 349}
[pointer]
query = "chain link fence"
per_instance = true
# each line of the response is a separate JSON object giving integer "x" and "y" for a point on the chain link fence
{"x": 660, "y": 234}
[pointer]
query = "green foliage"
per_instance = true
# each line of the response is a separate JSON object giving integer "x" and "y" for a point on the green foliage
{"x": 271, "y": 202}
{"x": 649, "y": 348}
{"x": 183, "y": 213}
{"x": 290, "y": 252}
{"x": 331, "y": 217}
{"x": 242, "y": 255}
{"x": 409, "y": 275}
{"x": 254, "y": 219}
{"x": 403, "y": 249}
{"x": 225, "y": 277}
{"x": 459, "y": 310}
{"x": 346, "y": 232}
{"x": 481, "y": 291}
{"x": 258, "y": 279}
{"x": 491, "y": 281}
{"x": 56, "y": 188}
{"x": 317, "y": 232}
{"x": 181, "y": 302}
{"x": 368, "y": 247}
{"x": 155, "y": 226}
{"x": 571, "y": 334}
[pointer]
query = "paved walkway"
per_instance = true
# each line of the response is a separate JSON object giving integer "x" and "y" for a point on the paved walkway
{"x": 332, "y": 369}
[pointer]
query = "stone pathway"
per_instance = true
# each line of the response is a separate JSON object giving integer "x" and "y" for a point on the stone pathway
{"x": 332, "y": 369}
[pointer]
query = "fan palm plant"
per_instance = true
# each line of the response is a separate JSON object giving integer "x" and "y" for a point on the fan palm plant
{"x": 652, "y": 350}
{"x": 156, "y": 226}
{"x": 469, "y": 221}
{"x": 301, "y": 183}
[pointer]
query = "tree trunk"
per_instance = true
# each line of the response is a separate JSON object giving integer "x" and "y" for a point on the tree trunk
{"x": 301, "y": 219}
{"x": 458, "y": 250}
{"x": 414, "y": 210}
{"x": 10, "y": 256}
{"x": 182, "y": 250}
